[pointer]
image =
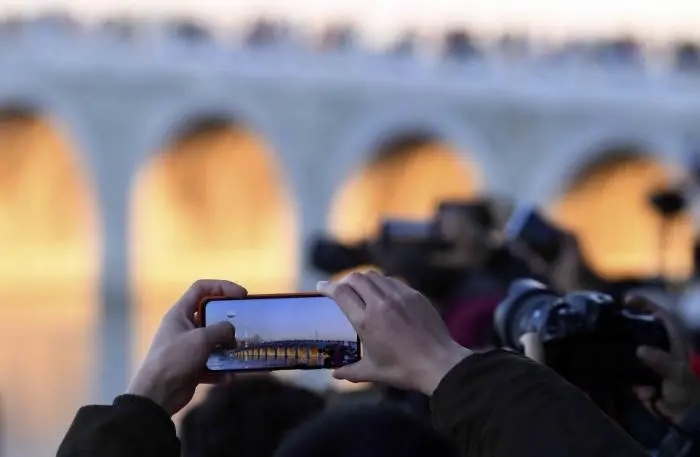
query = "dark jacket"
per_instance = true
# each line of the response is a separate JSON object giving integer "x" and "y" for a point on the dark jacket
{"x": 496, "y": 404}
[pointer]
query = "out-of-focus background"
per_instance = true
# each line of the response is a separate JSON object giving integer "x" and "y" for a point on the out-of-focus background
{"x": 146, "y": 145}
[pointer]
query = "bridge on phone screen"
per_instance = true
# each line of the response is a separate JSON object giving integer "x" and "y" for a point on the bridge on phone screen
{"x": 296, "y": 352}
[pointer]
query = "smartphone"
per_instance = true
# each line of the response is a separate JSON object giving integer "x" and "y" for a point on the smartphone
{"x": 539, "y": 234}
{"x": 281, "y": 332}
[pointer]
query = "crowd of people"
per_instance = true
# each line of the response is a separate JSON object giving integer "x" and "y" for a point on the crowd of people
{"x": 457, "y": 43}
{"x": 486, "y": 334}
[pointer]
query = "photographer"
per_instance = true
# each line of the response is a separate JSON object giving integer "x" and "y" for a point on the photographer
{"x": 483, "y": 266}
{"x": 494, "y": 404}
{"x": 615, "y": 356}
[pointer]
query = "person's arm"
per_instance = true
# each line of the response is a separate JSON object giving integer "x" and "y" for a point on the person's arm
{"x": 132, "y": 426}
{"x": 501, "y": 404}
{"x": 138, "y": 424}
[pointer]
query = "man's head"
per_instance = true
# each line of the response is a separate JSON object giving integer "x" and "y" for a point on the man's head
{"x": 367, "y": 431}
{"x": 467, "y": 226}
{"x": 247, "y": 417}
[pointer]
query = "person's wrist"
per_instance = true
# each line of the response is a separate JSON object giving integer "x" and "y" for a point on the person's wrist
{"x": 150, "y": 385}
{"x": 438, "y": 365}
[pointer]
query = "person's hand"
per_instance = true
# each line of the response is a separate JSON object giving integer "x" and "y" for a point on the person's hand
{"x": 680, "y": 388}
{"x": 176, "y": 361}
{"x": 404, "y": 340}
{"x": 533, "y": 347}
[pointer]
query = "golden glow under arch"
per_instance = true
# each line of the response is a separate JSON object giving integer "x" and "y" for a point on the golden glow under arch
{"x": 211, "y": 205}
{"x": 49, "y": 239}
{"x": 407, "y": 180}
{"x": 607, "y": 206}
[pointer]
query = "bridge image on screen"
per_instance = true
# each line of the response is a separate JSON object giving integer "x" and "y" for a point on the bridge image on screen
{"x": 279, "y": 333}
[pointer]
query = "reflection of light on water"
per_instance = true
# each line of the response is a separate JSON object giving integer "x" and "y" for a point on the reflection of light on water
{"x": 48, "y": 278}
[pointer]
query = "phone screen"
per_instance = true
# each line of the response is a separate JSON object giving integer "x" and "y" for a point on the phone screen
{"x": 277, "y": 332}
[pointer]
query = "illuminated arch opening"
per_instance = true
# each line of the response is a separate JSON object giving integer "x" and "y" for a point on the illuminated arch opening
{"x": 211, "y": 205}
{"x": 408, "y": 179}
{"x": 49, "y": 240}
{"x": 620, "y": 232}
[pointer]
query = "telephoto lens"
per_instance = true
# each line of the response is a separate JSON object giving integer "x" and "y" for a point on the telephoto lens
{"x": 588, "y": 337}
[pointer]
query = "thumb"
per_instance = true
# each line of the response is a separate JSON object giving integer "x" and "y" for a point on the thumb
{"x": 656, "y": 359}
{"x": 533, "y": 348}
{"x": 221, "y": 333}
{"x": 360, "y": 371}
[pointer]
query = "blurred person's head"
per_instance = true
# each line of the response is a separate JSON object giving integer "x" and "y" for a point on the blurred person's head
{"x": 262, "y": 33}
{"x": 188, "y": 30}
{"x": 467, "y": 227}
{"x": 247, "y": 417}
{"x": 338, "y": 37}
{"x": 415, "y": 264}
{"x": 367, "y": 431}
{"x": 459, "y": 43}
{"x": 687, "y": 56}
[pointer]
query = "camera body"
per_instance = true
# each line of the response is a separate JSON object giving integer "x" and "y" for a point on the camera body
{"x": 589, "y": 339}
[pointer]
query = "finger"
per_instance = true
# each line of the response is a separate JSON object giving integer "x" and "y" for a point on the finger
{"x": 383, "y": 283}
{"x": 357, "y": 372}
{"x": 346, "y": 298}
{"x": 220, "y": 334}
{"x": 204, "y": 288}
{"x": 533, "y": 347}
{"x": 399, "y": 286}
{"x": 656, "y": 359}
{"x": 366, "y": 289}
{"x": 675, "y": 329}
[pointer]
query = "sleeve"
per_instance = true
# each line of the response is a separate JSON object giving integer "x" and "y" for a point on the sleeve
{"x": 131, "y": 427}
{"x": 500, "y": 404}
{"x": 683, "y": 441}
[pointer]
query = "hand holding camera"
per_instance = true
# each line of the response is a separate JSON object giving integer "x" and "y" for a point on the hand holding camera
{"x": 680, "y": 389}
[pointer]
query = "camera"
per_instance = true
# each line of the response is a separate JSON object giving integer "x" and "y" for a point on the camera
{"x": 332, "y": 256}
{"x": 589, "y": 338}
{"x": 539, "y": 234}
{"x": 433, "y": 235}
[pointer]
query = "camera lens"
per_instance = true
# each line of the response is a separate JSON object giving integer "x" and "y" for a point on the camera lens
{"x": 525, "y": 309}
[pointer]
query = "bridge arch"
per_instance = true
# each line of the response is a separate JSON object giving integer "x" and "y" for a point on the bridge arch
{"x": 219, "y": 190}
{"x": 573, "y": 153}
{"x": 358, "y": 148}
{"x": 607, "y": 205}
{"x": 49, "y": 235}
{"x": 396, "y": 155}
